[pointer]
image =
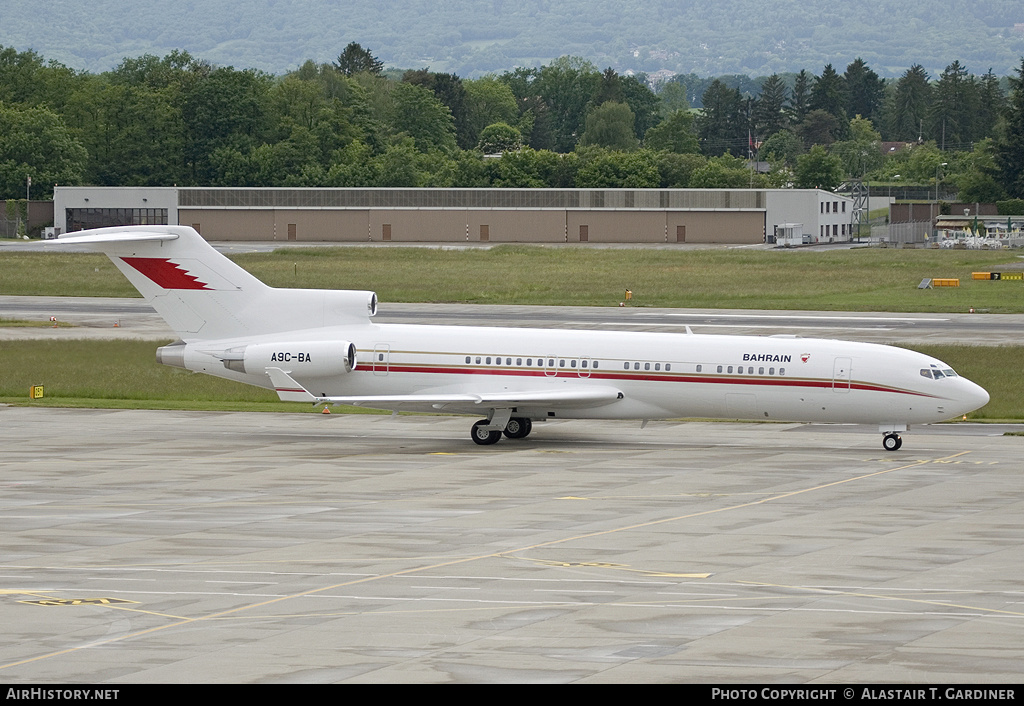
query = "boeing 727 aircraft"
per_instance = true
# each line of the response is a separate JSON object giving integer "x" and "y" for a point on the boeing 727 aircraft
{"x": 322, "y": 347}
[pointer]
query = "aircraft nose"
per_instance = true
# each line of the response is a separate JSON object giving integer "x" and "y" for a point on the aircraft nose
{"x": 974, "y": 396}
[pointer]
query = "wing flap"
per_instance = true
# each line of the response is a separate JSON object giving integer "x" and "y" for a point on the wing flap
{"x": 289, "y": 390}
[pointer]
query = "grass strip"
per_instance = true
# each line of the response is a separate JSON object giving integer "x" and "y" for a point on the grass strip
{"x": 866, "y": 279}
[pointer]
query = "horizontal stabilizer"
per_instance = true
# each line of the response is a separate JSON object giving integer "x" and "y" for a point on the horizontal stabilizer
{"x": 116, "y": 235}
{"x": 287, "y": 389}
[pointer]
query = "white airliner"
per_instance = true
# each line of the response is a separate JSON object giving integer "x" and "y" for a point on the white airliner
{"x": 321, "y": 346}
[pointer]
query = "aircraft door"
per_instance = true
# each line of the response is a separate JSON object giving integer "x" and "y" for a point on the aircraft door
{"x": 551, "y": 366}
{"x": 841, "y": 374}
{"x": 584, "y": 370}
{"x": 381, "y": 358}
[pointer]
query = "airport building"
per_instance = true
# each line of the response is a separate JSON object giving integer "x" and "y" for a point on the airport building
{"x": 465, "y": 215}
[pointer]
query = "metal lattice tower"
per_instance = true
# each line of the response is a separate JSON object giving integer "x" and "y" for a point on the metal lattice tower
{"x": 859, "y": 194}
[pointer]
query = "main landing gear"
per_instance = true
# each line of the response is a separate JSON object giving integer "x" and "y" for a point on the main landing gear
{"x": 892, "y": 441}
{"x": 515, "y": 428}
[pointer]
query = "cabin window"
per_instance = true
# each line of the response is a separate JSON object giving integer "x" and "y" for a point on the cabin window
{"x": 595, "y": 364}
{"x": 730, "y": 369}
{"x": 478, "y": 360}
{"x": 719, "y": 368}
{"x": 519, "y": 361}
{"x": 583, "y": 364}
{"x": 771, "y": 371}
{"x": 698, "y": 368}
{"x": 782, "y": 371}
{"x": 551, "y": 362}
{"x": 572, "y": 363}
{"x": 750, "y": 370}
{"x": 508, "y": 361}
{"x": 561, "y": 363}
{"x": 668, "y": 366}
{"x": 636, "y": 366}
{"x": 657, "y": 366}
{"x": 760, "y": 371}
{"x": 468, "y": 360}
{"x": 488, "y": 360}
{"x": 625, "y": 366}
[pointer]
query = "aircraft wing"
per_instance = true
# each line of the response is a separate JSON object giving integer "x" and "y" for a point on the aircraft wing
{"x": 569, "y": 396}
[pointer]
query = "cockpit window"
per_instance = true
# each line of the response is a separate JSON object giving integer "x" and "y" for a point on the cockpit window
{"x": 949, "y": 373}
{"x": 926, "y": 373}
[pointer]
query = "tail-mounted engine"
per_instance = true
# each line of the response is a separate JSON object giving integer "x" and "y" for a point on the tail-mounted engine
{"x": 301, "y": 358}
{"x": 305, "y": 359}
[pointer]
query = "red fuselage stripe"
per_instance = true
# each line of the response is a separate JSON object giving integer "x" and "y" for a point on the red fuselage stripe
{"x": 641, "y": 376}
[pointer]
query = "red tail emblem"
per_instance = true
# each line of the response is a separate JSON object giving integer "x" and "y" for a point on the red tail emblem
{"x": 165, "y": 273}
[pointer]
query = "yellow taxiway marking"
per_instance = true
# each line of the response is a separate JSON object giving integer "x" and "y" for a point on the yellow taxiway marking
{"x": 884, "y": 597}
{"x": 469, "y": 559}
{"x": 617, "y": 567}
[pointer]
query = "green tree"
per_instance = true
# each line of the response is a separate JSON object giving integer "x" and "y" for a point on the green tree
{"x": 864, "y": 91}
{"x": 224, "y": 108}
{"x": 782, "y": 147}
{"x": 610, "y": 125}
{"x": 527, "y": 168}
{"x": 829, "y": 95}
{"x": 769, "y": 116}
{"x": 975, "y": 175}
{"x": 612, "y": 169}
{"x": 34, "y": 142}
{"x": 911, "y": 104}
{"x": 566, "y": 86}
{"x": 490, "y": 101}
{"x": 499, "y": 137}
{"x": 676, "y": 170}
{"x": 1009, "y": 147}
{"x": 721, "y": 126}
{"x": 953, "y": 107}
{"x": 862, "y": 153}
{"x": 818, "y": 128}
{"x": 818, "y": 170}
{"x": 673, "y": 98}
{"x": 419, "y": 114}
{"x": 725, "y": 172}
{"x": 354, "y": 60}
{"x": 800, "y": 99}
{"x": 674, "y": 134}
{"x": 990, "y": 106}
{"x": 644, "y": 104}
{"x": 133, "y": 134}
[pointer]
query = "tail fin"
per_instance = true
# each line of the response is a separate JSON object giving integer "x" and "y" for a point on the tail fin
{"x": 203, "y": 295}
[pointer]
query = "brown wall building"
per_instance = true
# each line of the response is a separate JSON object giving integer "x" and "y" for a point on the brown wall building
{"x": 740, "y": 216}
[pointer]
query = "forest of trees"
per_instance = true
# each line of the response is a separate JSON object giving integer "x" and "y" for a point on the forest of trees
{"x": 178, "y": 120}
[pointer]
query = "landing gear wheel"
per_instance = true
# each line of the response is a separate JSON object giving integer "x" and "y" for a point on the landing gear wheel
{"x": 892, "y": 442}
{"x": 484, "y": 436}
{"x": 518, "y": 427}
